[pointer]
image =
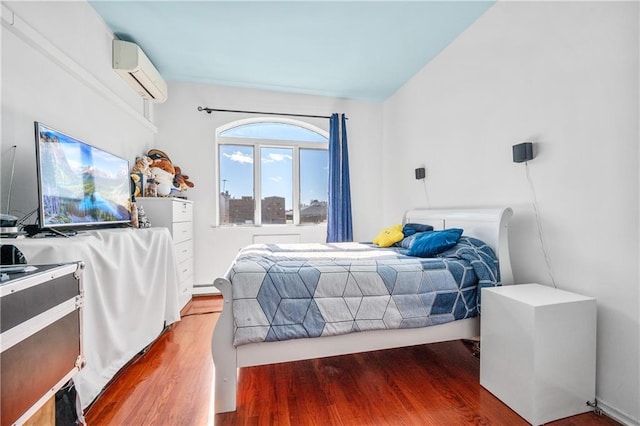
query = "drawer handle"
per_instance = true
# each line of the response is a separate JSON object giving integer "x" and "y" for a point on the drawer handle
{"x": 185, "y": 250}
{"x": 185, "y": 270}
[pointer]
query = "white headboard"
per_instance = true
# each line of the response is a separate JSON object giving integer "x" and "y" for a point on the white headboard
{"x": 489, "y": 225}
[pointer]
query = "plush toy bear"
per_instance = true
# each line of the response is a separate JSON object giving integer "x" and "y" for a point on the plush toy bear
{"x": 181, "y": 181}
{"x": 163, "y": 171}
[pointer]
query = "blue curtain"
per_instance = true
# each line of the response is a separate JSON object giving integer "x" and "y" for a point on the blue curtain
{"x": 339, "y": 223}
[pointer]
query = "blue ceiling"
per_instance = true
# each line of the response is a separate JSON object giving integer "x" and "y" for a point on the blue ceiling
{"x": 364, "y": 50}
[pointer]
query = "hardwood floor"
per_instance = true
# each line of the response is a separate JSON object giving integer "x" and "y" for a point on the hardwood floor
{"x": 433, "y": 384}
{"x": 171, "y": 383}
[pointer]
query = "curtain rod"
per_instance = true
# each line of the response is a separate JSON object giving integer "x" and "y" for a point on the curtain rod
{"x": 210, "y": 110}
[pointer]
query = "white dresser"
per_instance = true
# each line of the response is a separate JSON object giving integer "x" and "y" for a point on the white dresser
{"x": 177, "y": 215}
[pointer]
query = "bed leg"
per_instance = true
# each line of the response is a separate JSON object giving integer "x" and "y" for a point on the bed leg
{"x": 224, "y": 354}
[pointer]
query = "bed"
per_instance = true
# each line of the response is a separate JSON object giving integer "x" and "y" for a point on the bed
{"x": 244, "y": 338}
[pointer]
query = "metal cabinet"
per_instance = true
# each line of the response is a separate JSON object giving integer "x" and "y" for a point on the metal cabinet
{"x": 41, "y": 340}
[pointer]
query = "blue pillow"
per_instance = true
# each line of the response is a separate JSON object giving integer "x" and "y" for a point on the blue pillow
{"x": 430, "y": 244}
{"x": 407, "y": 242}
{"x": 412, "y": 228}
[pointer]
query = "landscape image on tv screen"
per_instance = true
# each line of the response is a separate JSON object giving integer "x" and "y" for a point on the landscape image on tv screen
{"x": 79, "y": 185}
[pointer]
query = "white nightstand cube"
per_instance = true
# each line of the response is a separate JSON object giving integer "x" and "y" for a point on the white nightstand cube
{"x": 538, "y": 348}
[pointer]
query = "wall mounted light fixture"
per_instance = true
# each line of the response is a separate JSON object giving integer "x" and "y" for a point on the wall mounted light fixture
{"x": 523, "y": 152}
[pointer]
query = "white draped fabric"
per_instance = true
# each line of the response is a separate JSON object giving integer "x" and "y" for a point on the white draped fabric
{"x": 130, "y": 293}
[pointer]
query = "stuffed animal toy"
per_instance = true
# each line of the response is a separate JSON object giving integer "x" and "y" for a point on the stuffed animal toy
{"x": 181, "y": 181}
{"x": 142, "y": 166}
{"x": 143, "y": 220}
{"x": 154, "y": 154}
{"x": 162, "y": 170}
{"x": 163, "y": 164}
{"x": 389, "y": 236}
{"x": 134, "y": 216}
{"x": 161, "y": 160}
{"x": 164, "y": 181}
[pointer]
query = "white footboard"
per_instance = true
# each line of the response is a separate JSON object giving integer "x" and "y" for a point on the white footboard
{"x": 224, "y": 353}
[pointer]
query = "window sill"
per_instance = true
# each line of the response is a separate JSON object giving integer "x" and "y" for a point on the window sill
{"x": 271, "y": 226}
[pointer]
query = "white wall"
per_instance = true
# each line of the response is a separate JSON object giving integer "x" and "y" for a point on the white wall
{"x": 188, "y": 136}
{"x": 565, "y": 76}
{"x": 56, "y": 69}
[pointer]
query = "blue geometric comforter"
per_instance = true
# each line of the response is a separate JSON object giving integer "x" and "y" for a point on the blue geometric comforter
{"x": 290, "y": 291}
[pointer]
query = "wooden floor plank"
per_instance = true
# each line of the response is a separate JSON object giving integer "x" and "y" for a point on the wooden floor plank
{"x": 435, "y": 384}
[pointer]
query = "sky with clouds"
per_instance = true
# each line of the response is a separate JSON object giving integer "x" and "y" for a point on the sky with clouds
{"x": 236, "y": 163}
{"x": 236, "y": 173}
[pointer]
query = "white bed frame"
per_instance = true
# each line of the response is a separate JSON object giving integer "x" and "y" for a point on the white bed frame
{"x": 488, "y": 225}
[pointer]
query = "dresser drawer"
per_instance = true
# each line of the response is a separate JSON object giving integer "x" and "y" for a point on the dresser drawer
{"x": 186, "y": 285}
{"x": 184, "y": 250}
{"x": 184, "y": 293}
{"x": 182, "y": 231}
{"x": 185, "y": 270}
{"x": 182, "y": 211}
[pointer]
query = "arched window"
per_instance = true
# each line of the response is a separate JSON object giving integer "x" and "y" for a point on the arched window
{"x": 272, "y": 171}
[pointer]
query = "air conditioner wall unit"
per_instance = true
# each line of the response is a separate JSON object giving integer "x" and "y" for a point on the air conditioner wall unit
{"x": 130, "y": 62}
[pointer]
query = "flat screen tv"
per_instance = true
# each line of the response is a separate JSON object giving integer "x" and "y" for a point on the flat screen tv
{"x": 79, "y": 185}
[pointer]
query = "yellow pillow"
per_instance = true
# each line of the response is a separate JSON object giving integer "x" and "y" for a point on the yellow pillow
{"x": 389, "y": 236}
